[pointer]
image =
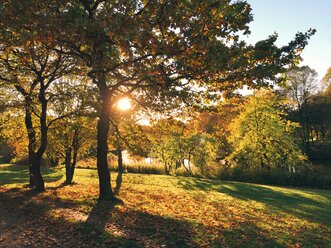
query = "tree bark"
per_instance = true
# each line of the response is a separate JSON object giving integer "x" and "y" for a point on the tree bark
{"x": 71, "y": 157}
{"x": 36, "y": 179}
{"x": 67, "y": 162}
{"x": 31, "y": 140}
{"x": 167, "y": 168}
{"x": 120, "y": 171}
{"x": 76, "y": 146}
{"x": 39, "y": 181}
{"x": 105, "y": 190}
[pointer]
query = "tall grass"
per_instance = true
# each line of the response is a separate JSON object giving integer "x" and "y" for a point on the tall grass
{"x": 140, "y": 167}
{"x": 312, "y": 176}
{"x": 134, "y": 166}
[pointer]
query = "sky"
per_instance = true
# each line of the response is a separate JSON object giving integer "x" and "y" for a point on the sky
{"x": 287, "y": 17}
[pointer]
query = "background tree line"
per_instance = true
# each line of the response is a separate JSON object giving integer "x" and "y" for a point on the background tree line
{"x": 259, "y": 137}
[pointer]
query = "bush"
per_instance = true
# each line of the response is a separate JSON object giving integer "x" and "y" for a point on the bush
{"x": 6, "y": 152}
{"x": 24, "y": 160}
{"x": 87, "y": 163}
{"x": 320, "y": 152}
{"x": 308, "y": 176}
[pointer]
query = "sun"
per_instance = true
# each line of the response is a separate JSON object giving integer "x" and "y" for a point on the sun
{"x": 124, "y": 104}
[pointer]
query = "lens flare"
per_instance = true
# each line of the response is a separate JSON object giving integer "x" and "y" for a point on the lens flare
{"x": 124, "y": 104}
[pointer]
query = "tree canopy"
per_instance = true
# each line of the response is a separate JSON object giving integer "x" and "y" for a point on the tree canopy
{"x": 151, "y": 50}
{"x": 262, "y": 137}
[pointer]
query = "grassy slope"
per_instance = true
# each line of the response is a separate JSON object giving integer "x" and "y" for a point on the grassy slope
{"x": 180, "y": 212}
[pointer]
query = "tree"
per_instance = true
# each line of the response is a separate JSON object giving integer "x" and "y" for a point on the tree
{"x": 126, "y": 134}
{"x": 173, "y": 142}
{"x": 31, "y": 63}
{"x": 71, "y": 137}
{"x": 166, "y": 138}
{"x": 300, "y": 86}
{"x": 160, "y": 48}
{"x": 31, "y": 69}
{"x": 262, "y": 137}
{"x": 71, "y": 140}
{"x": 204, "y": 154}
{"x": 319, "y": 107}
{"x": 216, "y": 121}
{"x": 154, "y": 46}
{"x": 326, "y": 80}
{"x": 13, "y": 141}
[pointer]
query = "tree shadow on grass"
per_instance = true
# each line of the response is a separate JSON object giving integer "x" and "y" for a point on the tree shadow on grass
{"x": 98, "y": 223}
{"x": 132, "y": 228}
{"x": 154, "y": 230}
{"x": 30, "y": 225}
{"x": 288, "y": 202}
{"x": 108, "y": 225}
{"x": 14, "y": 174}
{"x": 33, "y": 202}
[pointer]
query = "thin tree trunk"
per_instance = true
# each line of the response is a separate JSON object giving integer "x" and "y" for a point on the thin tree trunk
{"x": 120, "y": 171}
{"x": 167, "y": 168}
{"x": 189, "y": 162}
{"x": 72, "y": 147}
{"x": 70, "y": 168}
{"x": 75, "y": 148}
{"x": 67, "y": 162}
{"x": 75, "y": 145}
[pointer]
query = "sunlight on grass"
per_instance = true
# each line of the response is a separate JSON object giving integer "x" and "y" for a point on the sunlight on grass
{"x": 206, "y": 212}
{"x": 14, "y": 175}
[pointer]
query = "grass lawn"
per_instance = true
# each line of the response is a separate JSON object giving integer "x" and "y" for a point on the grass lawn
{"x": 161, "y": 211}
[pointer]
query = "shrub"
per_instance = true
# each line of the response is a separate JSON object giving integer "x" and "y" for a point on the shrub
{"x": 308, "y": 176}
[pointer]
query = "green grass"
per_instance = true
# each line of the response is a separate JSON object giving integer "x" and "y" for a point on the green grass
{"x": 186, "y": 212}
{"x": 14, "y": 174}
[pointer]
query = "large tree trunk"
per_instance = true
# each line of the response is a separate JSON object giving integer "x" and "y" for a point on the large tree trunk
{"x": 105, "y": 192}
{"x": 36, "y": 180}
{"x": 32, "y": 182}
{"x": 39, "y": 181}
{"x": 31, "y": 140}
